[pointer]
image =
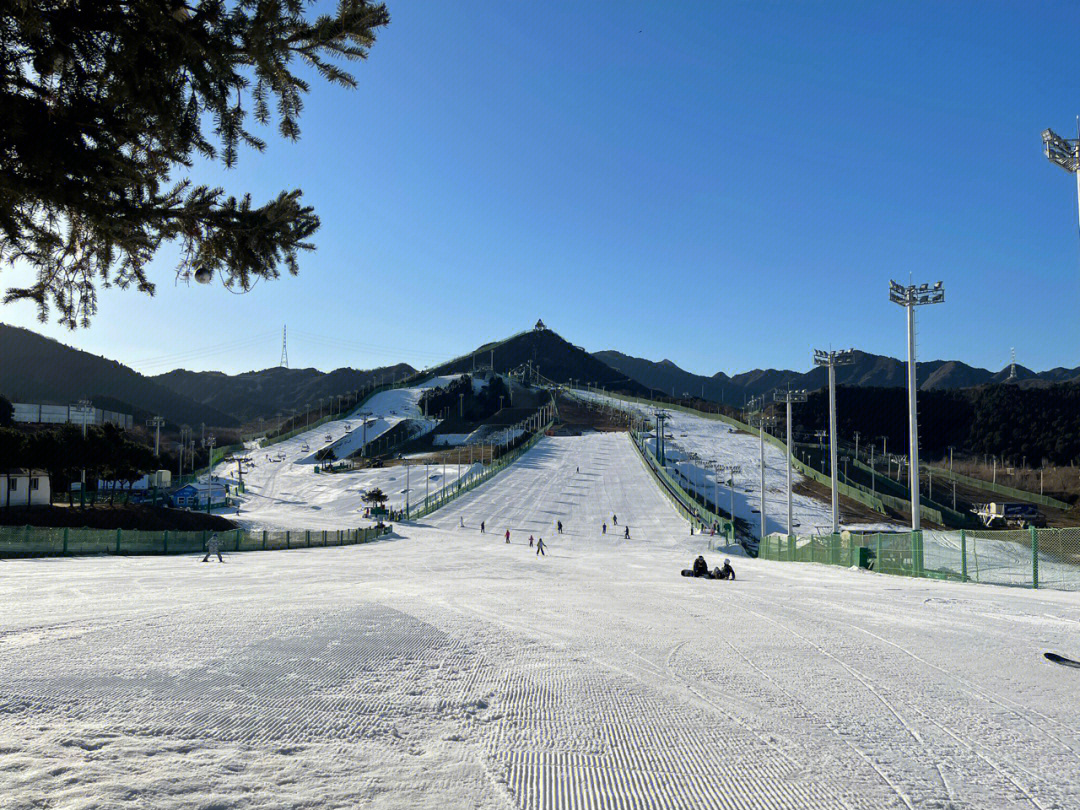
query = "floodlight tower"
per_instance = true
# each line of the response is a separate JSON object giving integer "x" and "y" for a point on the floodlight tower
{"x": 789, "y": 397}
{"x": 910, "y": 297}
{"x": 1065, "y": 152}
{"x": 832, "y": 359}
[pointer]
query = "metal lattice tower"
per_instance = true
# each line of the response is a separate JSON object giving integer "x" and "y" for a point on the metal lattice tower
{"x": 284, "y": 347}
{"x": 1012, "y": 365}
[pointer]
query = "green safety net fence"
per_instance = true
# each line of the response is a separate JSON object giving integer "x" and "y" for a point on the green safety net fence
{"x": 1028, "y": 558}
{"x": 33, "y": 541}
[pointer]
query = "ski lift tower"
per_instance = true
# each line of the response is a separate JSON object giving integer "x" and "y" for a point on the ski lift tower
{"x": 1065, "y": 152}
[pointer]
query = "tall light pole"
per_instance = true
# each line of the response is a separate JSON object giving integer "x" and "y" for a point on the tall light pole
{"x": 832, "y": 359}
{"x": 86, "y": 407}
{"x": 156, "y": 422}
{"x": 909, "y": 297}
{"x": 1065, "y": 152}
{"x": 789, "y": 397}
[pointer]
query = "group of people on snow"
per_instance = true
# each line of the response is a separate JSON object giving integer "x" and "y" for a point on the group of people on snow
{"x": 701, "y": 569}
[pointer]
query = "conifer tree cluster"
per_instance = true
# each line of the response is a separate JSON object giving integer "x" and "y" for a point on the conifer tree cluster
{"x": 106, "y": 103}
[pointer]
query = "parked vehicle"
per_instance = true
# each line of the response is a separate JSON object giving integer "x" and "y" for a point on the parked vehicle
{"x": 1010, "y": 515}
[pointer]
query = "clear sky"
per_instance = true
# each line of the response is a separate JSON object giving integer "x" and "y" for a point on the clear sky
{"x": 727, "y": 185}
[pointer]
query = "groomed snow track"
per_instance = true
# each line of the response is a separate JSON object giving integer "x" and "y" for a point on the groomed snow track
{"x": 449, "y": 669}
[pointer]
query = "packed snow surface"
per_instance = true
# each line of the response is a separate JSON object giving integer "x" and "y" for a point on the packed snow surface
{"x": 283, "y": 491}
{"x": 696, "y": 441}
{"x": 446, "y": 669}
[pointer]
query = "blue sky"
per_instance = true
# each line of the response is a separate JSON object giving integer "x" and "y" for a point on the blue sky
{"x": 727, "y": 185}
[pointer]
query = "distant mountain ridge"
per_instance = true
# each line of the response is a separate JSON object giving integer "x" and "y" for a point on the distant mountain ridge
{"x": 262, "y": 394}
{"x": 866, "y": 370}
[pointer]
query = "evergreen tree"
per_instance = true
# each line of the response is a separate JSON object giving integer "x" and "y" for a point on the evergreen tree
{"x": 104, "y": 100}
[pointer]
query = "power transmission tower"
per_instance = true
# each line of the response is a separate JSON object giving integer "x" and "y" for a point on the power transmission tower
{"x": 284, "y": 347}
{"x": 1012, "y": 366}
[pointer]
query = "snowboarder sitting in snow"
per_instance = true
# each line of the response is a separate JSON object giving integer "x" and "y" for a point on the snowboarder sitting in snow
{"x": 700, "y": 567}
{"x": 213, "y": 547}
{"x": 727, "y": 572}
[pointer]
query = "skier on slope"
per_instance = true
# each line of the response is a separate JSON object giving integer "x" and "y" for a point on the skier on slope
{"x": 481, "y": 527}
{"x": 540, "y": 548}
{"x": 615, "y": 519}
{"x": 603, "y": 528}
{"x": 507, "y": 535}
{"x": 531, "y": 541}
{"x": 558, "y": 526}
{"x": 626, "y": 532}
{"x": 461, "y": 521}
{"x": 213, "y": 547}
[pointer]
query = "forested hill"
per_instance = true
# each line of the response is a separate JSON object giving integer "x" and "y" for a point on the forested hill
{"x": 38, "y": 369}
{"x": 867, "y": 370}
{"x": 1013, "y": 421}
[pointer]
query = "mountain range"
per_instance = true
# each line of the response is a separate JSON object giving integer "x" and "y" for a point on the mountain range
{"x": 39, "y": 369}
{"x": 865, "y": 370}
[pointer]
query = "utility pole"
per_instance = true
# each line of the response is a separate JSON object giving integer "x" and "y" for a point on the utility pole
{"x": 832, "y": 359}
{"x": 156, "y": 422}
{"x": 909, "y": 297}
{"x": 788, "y": 397}
{"x": 86, "y": 407}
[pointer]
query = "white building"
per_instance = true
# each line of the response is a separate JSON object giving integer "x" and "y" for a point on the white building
{"x": 21, "y": 487}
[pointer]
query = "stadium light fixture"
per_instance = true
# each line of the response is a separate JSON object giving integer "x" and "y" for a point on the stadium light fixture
{"x": 910, "y": 297}
{"x": 832, "y": 359}
{"x": 1064, "y": 152}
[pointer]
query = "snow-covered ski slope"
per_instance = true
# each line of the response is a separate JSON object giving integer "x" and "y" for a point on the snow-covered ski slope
{"x": 713, "y": 441}
{"x": 582, "y": 481}
{"x": 288, "y": 494}
{"x": 448, "y": 669}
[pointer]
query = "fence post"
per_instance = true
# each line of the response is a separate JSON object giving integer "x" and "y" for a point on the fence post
{"x": 1034, "y": 557}
{"x": 264, "y": 539}
{"x": 307, "y": 537}
{"x": 287, "y": 542}
{"x": 119, "y": 535}
{"x": 963, "y": 556}
{"x": 324, "y": 537}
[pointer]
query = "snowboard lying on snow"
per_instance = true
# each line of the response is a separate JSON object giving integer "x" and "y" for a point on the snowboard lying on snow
{"x": 689, "y": 572}
{"x": 1061, "y": 659}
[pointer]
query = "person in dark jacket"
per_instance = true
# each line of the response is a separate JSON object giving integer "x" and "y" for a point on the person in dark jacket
{"x": 626, "y": 532}
{"x": 727, "y": 572}
{"x": 700, "y": 567}
{"x": 540, "y": 547}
